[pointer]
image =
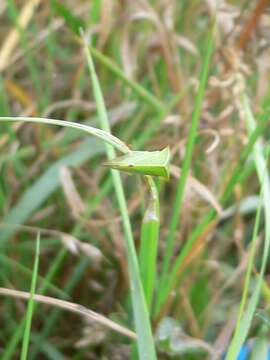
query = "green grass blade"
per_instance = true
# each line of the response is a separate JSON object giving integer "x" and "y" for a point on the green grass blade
{"x": 146, "y": 346}
{"x": 186, "y": 167}
{"x": 149, "y": 243}
{"x": 30, "y": 307}
{"x": 261, "y": 165}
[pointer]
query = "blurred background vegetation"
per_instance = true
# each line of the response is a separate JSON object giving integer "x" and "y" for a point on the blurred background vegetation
{"x": 148, "y": 57}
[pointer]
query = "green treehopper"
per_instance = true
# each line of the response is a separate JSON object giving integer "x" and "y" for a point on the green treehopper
{"x": 154, "y": 163}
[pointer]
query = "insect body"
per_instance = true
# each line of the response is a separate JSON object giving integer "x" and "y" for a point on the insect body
{"x": 155, "y": 163}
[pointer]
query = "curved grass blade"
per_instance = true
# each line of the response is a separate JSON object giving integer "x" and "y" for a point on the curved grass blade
{"x": 102, "y": 135}
{"x": 72, "y": 307}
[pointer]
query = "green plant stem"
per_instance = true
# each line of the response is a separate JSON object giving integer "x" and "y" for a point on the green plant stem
{"x": 142, "y": 323}
{"x": 149, "y": 243}
{"x": 30, "y": 307}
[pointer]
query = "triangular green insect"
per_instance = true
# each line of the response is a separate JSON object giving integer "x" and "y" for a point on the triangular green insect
{"x": 154, "y": 163}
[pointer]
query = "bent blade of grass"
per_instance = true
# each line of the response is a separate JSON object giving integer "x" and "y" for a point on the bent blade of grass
{"x": 146, "y": 346}
{"x": 102, "y": 135}
{"x": 30, "y": 307}
{"x": 144, "y": 162}
{"x": 261, "y": 166}
{"x": 149, "y": 243}
{"x": 72, "y": 307}
{"x": 185, "y": 170}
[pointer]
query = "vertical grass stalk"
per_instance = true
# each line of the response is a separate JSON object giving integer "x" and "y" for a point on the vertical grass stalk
{"x": 146, "y": 347}
{"x": 30, "y": 307}
{"x": 149, "y": 243}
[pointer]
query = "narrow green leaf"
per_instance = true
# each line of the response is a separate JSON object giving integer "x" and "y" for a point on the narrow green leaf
{"x": 30, "y": 307}
{"x": 146, "y": 346}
